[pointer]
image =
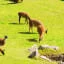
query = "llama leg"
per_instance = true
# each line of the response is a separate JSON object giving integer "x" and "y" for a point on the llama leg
{"x": 19, "y": 19}
{"x": 26, "y": 20}
{"x": 30, "y": 28}
{"x": 40, "y": 37}
{"x": 2, "y": 51}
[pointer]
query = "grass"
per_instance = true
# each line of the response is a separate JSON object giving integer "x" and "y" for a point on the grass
{"x": 50, "y": 12}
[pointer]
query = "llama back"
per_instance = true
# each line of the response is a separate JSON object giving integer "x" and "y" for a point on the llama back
{"x": 22, "y": 14}
{"x": 36, "y": 22}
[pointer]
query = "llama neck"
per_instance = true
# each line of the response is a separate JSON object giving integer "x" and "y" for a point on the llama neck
{"x": 4, "y": 39}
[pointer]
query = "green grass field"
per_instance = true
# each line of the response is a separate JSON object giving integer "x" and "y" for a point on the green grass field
{"x": 50, "y": 12}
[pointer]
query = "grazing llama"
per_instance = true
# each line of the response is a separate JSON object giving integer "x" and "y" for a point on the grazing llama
{"x": 40, "y": 27}
{"x": 24, "y": 15}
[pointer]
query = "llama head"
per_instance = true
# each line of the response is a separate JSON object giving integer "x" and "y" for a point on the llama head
{"x": 5, "y": 37}
{"x": 40, "y": 39}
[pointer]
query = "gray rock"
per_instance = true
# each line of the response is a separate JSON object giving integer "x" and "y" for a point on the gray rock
{"x": 48, "y": 47}
{"x": 33, "y": 51}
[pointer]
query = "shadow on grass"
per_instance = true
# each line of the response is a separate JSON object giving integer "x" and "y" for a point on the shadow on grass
{"x": 17, "y": 23}
{"x": 62, "y": 0}
{"x": 32, "y": 40}
{"x": 10, "y": 3}
{"x": 14, "y": 2}
{"x": 26, "y": 33}
{"x": 1, "y": 55}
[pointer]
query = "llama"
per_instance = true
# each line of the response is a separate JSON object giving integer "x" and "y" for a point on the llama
{"x": 40, "y": 27}
{"x": 23, "y": 14}
{"x": 2, "y": 41}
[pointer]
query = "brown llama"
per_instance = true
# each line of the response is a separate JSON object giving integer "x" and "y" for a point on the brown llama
{"x": 24, "y": 15}
{"x": 40, "y": 27}
{"x": 41, "y": 30}
{"x": 2, "y": 41}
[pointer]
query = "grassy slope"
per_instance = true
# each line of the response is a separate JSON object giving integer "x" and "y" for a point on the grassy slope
{"x": 50, "y": 12}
